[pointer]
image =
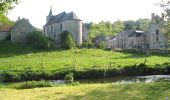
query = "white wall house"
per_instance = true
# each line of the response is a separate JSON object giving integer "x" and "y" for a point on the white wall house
{"x": 56, "y": 24}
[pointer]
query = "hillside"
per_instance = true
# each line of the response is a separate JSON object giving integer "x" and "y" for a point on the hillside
{"x": 20, "y": 56}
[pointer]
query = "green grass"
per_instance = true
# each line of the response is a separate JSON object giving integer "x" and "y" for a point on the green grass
{"x": 134, "y": 91}
{"x": 20, "y": 56}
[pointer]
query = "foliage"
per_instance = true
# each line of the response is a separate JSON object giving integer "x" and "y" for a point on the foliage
{"x": 69, "y": 78}
{"x": 118, "y": 26}
{"x": 10, "y": 76}
{"x": 109, "y": 29}
{"x": 142, "y": 24}
{"x": 67, "y": 40}
{"x": 102, "y": 45}
{"x": 166, "y": 29}
{"x": 129, "y": 25}
{"x": 39, "y": 41}
{"x": 6, "y": 5}
{"x": 88, "y": 73}
{"x": 33, "y": 84}
{"x": 5, "y": 20}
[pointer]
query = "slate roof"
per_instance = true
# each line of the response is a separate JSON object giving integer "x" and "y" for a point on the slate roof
{"x": 135, "y": 33}
{"x": 61, "y": 17}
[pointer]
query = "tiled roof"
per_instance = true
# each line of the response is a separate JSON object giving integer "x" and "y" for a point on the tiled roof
{"x": 4, "y": 28}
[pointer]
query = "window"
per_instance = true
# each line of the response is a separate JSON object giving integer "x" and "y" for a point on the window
{"x": 47, "y": 30}
{"x": 157, "y": 32}
{"x": 61, "y": 26}
{"x": 157, "y": 39}
{"x": 44, "y": 31}
{"x": 51, "y": 28}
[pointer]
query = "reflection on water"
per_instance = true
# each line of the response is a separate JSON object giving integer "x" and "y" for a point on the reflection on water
{"x": 127, "y": 80}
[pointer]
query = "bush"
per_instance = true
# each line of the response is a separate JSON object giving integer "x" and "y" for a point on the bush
{"x": 39, "y": 41}
{"x": 33, "y": 84}
{"x": 10, "y": 77}
{"x": 67, "y": 40}
{"x": 69, "y": 78}
{"x": 102, "y": 45}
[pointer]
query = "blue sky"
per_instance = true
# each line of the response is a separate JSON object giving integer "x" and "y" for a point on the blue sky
{"x": 87, "y": 10}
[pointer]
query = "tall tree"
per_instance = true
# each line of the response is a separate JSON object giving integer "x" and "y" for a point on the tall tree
{"x": 166, "y": 29}
{"x": 142, "y": 24}
{"x": 118, "y": 27}
{"x": 6, "y": 5}
{"x": 129, "y": 25}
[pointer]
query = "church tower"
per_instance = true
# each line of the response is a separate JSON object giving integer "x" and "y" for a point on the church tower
{"x": 156, "y": 37}
{"x": 49, "y": 15}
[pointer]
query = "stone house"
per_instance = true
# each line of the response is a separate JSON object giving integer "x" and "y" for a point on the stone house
{"x": 20, "y": 30}
{"x": 155, "y": 37}
{"x": 111, "y": 42}
{"x": 56, "y": 24}
{"x": 151, "y": 39}
{"x": 4, "y": 31}
{"x": 131, "y": 39}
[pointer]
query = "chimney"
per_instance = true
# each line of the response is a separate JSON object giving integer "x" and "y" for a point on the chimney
{"x": 152, "y": 16}
{"x": 163, "y": 15}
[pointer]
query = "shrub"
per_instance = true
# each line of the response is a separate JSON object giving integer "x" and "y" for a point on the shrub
{"x": 10, "y": 77}
{"x": 102, "y": 45}
{"x": 67, "y": 41}
{"x": 39, "y": 41}
{"x": 33, "y": 84}
{"x": 69, "y": 78}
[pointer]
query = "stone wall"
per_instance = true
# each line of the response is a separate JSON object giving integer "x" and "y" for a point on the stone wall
{"x": 4, "y": 35}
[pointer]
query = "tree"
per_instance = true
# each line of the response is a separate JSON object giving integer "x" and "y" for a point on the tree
{"x": 67, "y": 41}
{"x": 118, "y": 26}
{"x": 5, "y": 20}
{"x": 166, "y": 28}
{"x": 129, "y": 25}
{"x": 6, "y": 5}
{"x": 142, "y": 24}
{"x": 39, "y": 41}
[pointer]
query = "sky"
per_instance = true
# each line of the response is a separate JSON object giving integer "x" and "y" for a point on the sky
{"x": 87, "y": 10}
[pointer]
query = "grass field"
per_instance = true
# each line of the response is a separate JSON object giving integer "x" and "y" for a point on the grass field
{"x": 17, "y": 56}
{"x": 134, "y": 91}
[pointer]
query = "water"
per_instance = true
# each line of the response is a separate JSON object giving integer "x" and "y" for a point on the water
{"x": 127, "y": 80}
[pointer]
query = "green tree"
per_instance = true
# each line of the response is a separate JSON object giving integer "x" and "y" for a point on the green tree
{"x": 118, "y": 26}
{"x": 67, "y": 41}
{"x": 166, "y": 29}
{"x": 5, "y": 20}
{"x": 6, "y": 5}
{"x": 39, "y": 41}
{"x": 129, "y": 25}
{"x": 142, "y": 24}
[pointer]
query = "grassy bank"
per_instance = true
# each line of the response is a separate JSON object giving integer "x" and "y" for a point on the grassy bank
{"x": 18, "y": 56}
{"x": 19, "y": 62}
{"x": 135, "y": 91}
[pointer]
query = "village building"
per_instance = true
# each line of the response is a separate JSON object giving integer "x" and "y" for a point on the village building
{"x": 20, "y": 30}
{"x": 56, "y": 24}
{"x": 137, "y": 39}
{"x": 131, "y": 39}
{"x": 4, "y": 31}
{"x": 155, "y": 35}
